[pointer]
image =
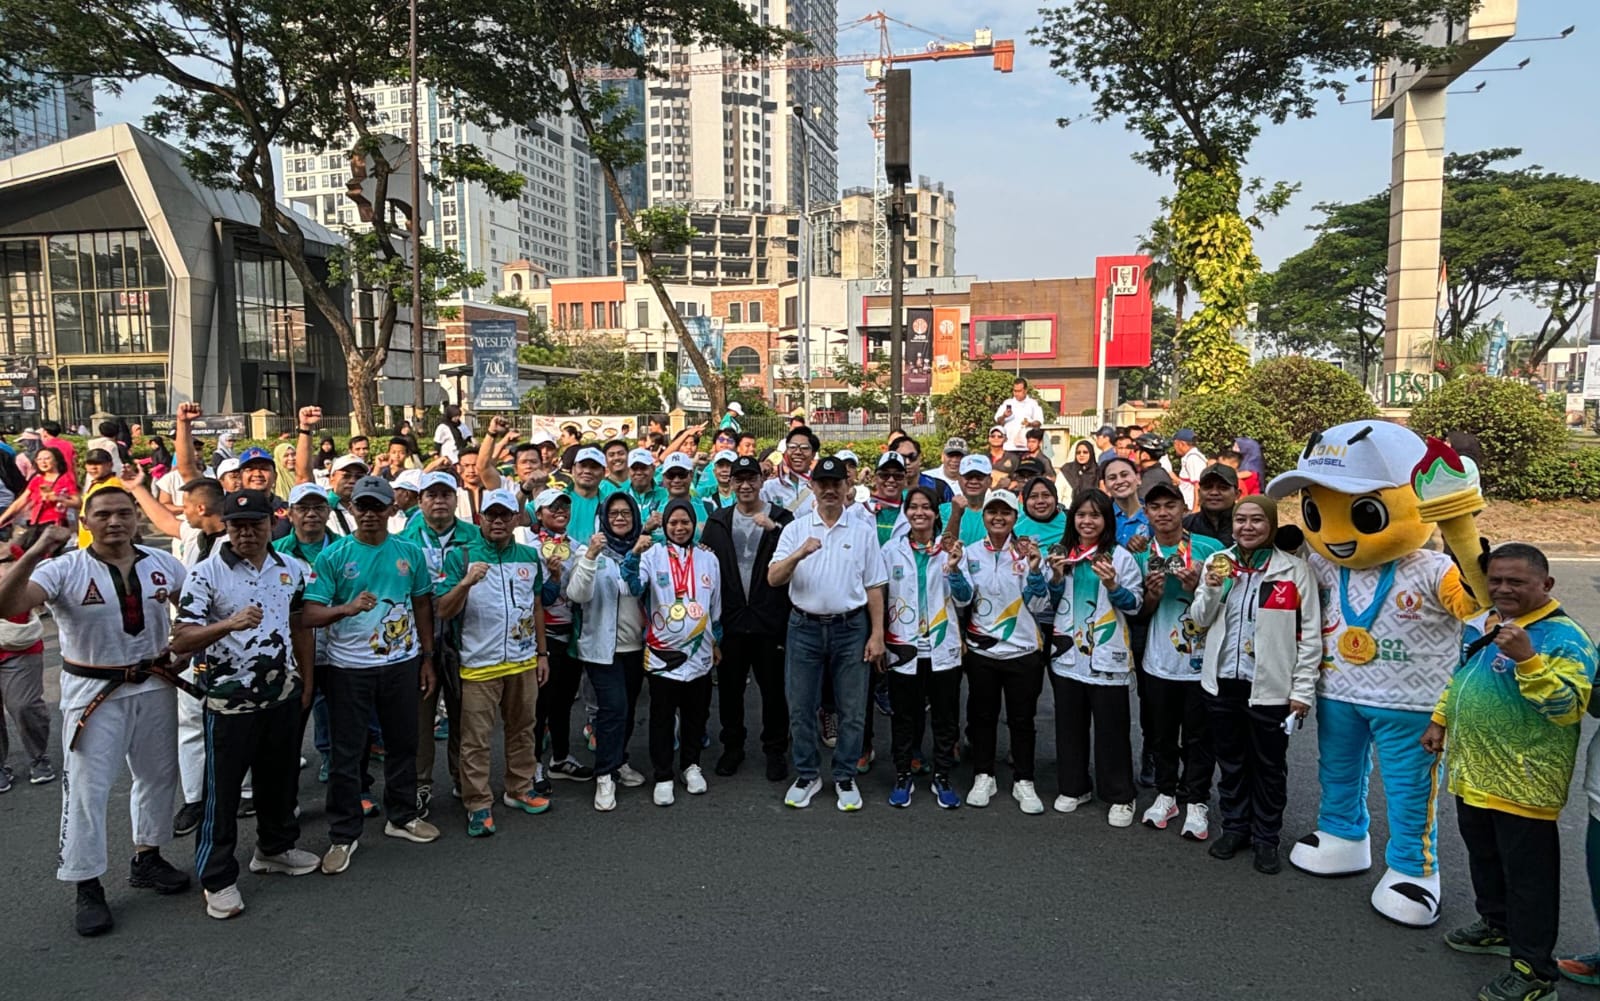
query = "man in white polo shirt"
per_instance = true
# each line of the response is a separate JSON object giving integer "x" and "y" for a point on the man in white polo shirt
{"x": 110, "y": 604}
{"x": 835, "y": 578}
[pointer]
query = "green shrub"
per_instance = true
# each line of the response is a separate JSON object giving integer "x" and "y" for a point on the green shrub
{"x": 1309, "y": 395}
{"x": 968, "y": 410}
{"x": 1509, "y": 419}
{"x": 1218, "y": 418}
{"x": 1573, "y": 474}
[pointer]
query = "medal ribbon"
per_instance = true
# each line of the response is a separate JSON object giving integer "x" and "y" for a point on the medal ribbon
{"x": 1385, "y": 585}
{"x": 1184, "y": 550}
{"x": 682, "y": 573}
{"x": 1085, "y": 594}
{"x": 922, "y": 558}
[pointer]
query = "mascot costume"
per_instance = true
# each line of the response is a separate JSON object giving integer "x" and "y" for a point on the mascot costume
{"x": 1392, "y": 624}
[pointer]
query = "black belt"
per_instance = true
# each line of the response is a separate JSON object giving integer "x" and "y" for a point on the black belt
{"x": 115, "y": 677}
{"x": 837, "y": 617}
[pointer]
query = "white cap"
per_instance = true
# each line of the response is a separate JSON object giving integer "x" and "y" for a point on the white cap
{"x": 845, "y": 455}
{"x": 436, "y": 479}
{"x": 409, "y": 479}
{"x": 590, "y": 454}
{"x": 499, "y": 498}
{"x": 641, "y": 457}
{"x": 1005, "y": 497}
{"x": 1354, "y": 458}
{"x": 723, "y": 456}
{"x": 302, "y": 491}
{"x": 976, "y": 464}
{"x": 677, "y": 460}
{"x": 346, "y": 461}
{"x": 548, "y": 496}
{"x": 541, "y": 438}
{"x": 891, "y": 458}
{"x": 227, "y": 466}
{"x": 736, "y": 408}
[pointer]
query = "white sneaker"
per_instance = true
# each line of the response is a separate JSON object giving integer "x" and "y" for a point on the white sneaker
{"x": 849, "y": 796}
{"x": 225, "y": 903}
{"x": 663, "y": 795}
{"x": 983, "y": 788}
{"x": 799, "y": 794}
{"x": 1120, "y": 815}
{"x": 1162, "y": 810}
{"x": 694, "y": 780}
{"x": 294, "y": 862}
{"x": 337, "y": 859}
{"x": 1070, "y": 804}
{"x": 1196, "y": 822}
{"x": 605, "y": 793}
{"x": 1022, "y": 791}
{"x": 629, "y": 777}
{"x": 416, "y": 830}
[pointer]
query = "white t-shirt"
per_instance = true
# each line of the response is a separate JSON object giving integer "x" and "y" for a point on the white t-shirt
{"x": 1016, "y": 417}
{"x": 83, "y": 594}
{"x": 1190, "y": 468}
{"x": 446, "y": 440}
{"x": 170, "y": 486}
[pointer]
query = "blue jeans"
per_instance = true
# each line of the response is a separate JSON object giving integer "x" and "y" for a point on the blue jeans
{"x": 616, "y": 692}
{"x": 815, "y": 650}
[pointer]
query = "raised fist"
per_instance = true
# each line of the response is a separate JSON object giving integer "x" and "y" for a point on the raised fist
{"x": 188, "y": 412}
{"x": 310, "y": 417}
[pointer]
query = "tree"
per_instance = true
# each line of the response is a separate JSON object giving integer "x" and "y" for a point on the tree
{"x": 1218, "y": 418}
{"x": 1310, "y": 395}
{"x": 610, "y": 381}
{"x": 869, "y": 384}
{"x": 1509, "y": 419}
{"x": 1154, "y": 381}
{"x": 1166, "y": 274}
{"x": 968, "y": 410}
{"x": 1196, "y": 81}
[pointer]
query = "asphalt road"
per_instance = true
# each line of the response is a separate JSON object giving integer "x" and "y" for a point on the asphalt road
{"x": 731, "y": 895}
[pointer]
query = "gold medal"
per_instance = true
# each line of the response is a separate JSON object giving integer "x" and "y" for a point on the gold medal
{"x": 677, "y": 611}
{"x": 548, "y": 549}
{"x": 563, "y": 551}
{"x": 1356, "y": 645}
{"x": 1220, "y": 565}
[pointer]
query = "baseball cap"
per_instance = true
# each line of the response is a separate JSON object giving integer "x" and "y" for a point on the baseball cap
{"x": 1218, "y": 471}
{"x": 1030, "y": 468}
{"x": 891, "y": 459}
{"x": 845, "y": 455}
{"x": 374, "y": 487}
{"x": 1106, "y": 431}
{"x": 1151, "y": 444}
{"x": 346, "y": 461}
{"x": 1164, "y": 488}
{"x": 955, "y": 446}
{"x": 590, "y": 454}
{"x": 549, "y": 496}
{"x": 1184, "y": 434}
{"x": 736, "y": 408}
{"x": 499, "y": 498}
{"x": 831, "y": 468}
{"x": 723, "y": 456}
{"x": 541, "y": 438}
{"x": 436, "y": 479}
{"x": 97, "y": 455}
{"x": 1005, "y": 497}
{"x": 246, "y": 505}
{"x": 226, "y": 466}
{"x": 409, "y": 479}
{"x": 746, "y": 465}
{"x": 641, "y": 457}
{"x": 677, "y": 460}
{"x": 1354, "y": 458}
{"x": 997, "y": 429}
{"x": 255, "y": 453}
{"x": 303, "y": 492}
{"x": 976, "y": 464}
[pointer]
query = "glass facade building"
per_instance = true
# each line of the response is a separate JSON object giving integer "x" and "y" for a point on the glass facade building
{"x": 61, "y": 112}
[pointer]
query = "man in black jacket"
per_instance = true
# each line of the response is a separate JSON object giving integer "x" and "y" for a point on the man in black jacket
{"x": 754, "y": 618}
{"x": 1219, "y": 491}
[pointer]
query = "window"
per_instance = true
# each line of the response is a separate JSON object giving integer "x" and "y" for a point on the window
{"x": 642, "y": 313}
{"x": 1005, "y": 336}
{"x": 746, "y": 361}
{"x": 271, "y": 308}
{"x": 791, "y": 311}
{"x": 108, "y": 294}
{"x": 598, "y": 311}
{"x": 735, "y": 312}
{"x": 753, "y": 311}
{"x": 24, "y": 305}
{"x": 542, "y": 314}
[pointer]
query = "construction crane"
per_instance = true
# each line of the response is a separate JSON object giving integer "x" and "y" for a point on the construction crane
{"x": 939, "y": 48}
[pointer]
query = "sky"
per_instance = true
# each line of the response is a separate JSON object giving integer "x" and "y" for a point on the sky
{"x": 1037, "y": 201}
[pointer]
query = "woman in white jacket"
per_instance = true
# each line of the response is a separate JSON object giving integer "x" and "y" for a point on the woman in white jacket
{"x": 1263, "y": 650}
{"x": 922, "y": 644}
{"x": 1097, "y": 585}
{"x": 680, "y": 587}
{"x": 1003, "y": 657}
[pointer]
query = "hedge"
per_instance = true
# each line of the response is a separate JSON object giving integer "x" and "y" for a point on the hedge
{"x": 1573, "y": 474}
{"x": 1517, "y": 431}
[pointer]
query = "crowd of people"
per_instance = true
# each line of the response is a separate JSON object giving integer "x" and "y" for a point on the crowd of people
{"x": 399, "y": 604}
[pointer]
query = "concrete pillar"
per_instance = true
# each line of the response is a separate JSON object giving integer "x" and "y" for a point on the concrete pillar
{"x": 1416, "y": 197}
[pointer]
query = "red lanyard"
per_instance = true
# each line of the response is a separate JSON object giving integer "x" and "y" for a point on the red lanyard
{"x": 1184, "y": 551}
{"x": 1017, "y": 559}
{"x": 1080, "y": 553}
{"x": 682, "y": 574}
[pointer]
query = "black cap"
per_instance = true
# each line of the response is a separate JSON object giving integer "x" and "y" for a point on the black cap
{"x": 1106, "y": 431}
{"x": 99, "y": 455}
{"x": 1164, "y": 488}
{"x": 246, "y": 505}
{"x": 831, "y": 468}
{"x": 1030, "y": 467}
{"x": 746, "y": 465}
{"x": 1217, "y": 470}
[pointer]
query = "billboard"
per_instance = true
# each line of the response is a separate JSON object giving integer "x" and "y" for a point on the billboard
{"x": 706, "y": 332}
{"x": 19, "y": 383}
{"x": 1126, "y": 277}
{"x": 917, "y": 377}
{"x": 494, "y": 364}
{"x": 946, "y": 349}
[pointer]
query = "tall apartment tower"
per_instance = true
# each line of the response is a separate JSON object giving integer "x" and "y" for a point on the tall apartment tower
{"x": 731, "y": 138}
{"x": 65, "y": 110}
{"x": 557, "y": 221}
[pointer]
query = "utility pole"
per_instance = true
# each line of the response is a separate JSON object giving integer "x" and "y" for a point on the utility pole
{"x": 418, "y": 360}
{"x": 897, "y": 169}
{"x": 804, "y": 343}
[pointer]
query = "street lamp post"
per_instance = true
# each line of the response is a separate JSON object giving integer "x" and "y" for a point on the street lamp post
{"x": 418, "y": 360}
{"x": 805, "y": 261}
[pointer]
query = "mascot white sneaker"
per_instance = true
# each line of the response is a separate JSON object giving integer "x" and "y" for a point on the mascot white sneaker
{"x": 1392, "y": 614}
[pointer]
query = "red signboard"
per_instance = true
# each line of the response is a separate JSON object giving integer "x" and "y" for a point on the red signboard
{"x": 1129, "y": 345}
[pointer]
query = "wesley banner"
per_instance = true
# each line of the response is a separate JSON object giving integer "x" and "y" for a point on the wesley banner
{"x": 918, "y": 379}
{"x": 946, "y": 349}
{"x": 706, "y": 331}
{"x": 494, "y": 364}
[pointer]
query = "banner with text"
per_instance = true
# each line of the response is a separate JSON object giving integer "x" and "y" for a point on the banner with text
{"x": 706, "y": 331}
{"x": 494, "y": 365}
{"x": 946, "y": 349}
{"x": 918, "y": 378}
{"x": 19, "y": 383}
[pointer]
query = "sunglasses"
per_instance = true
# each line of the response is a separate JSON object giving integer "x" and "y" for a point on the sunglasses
{"x": 371, "y": 507}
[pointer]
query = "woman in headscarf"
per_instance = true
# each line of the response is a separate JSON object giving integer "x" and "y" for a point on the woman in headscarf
{"x": 223, "y": 451}
{"x": 1082, "y": 473}
{"x": 609, "y": 639}
{"x": 283, "y": 459}
{"x": 1250, "y": 458}
{"x": 326, "y": 453}
{"x": 680, "y": 588}
{"x": 160, "y": 455}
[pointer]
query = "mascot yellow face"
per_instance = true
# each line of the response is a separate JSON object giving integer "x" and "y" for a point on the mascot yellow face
{"x": 1358, "y": 506}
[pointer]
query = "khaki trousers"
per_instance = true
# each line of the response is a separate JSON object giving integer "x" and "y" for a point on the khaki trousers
{"x": 514, "y": 696}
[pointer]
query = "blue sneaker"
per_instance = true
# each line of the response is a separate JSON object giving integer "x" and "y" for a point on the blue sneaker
{"x": 880, "y": 699}
{"x": 944, "y": 794}
{"x": 900, "y": 795}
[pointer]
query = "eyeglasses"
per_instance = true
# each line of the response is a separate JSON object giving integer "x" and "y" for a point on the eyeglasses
{"x": 799, "y": 448}
{"x": 371, "y": 507}
{"x": 891, "y": 475}
{"x": 621, "y": 514}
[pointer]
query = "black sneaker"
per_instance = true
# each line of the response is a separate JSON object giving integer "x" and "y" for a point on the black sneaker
{"x": 149, "y": 871}
{"x": 1479, "y": 938}
{"x": 1519, "y": 983}
{"x": 1266, "y": 860}
{"x": 247, "y": 806}
{"x": 570, "y": 769}
{"x": 541, "y": 781}
{"x": 1147, "y": 770}
{"x": 730, "y": 761}
{"x": 1229, "y": 845}
{"x": 93, "y": 917}
{"x": 777, "y": 767}
{"x": 41, "y": 771}
{"x": 188, "y": 819}
{"x": 6, "y": 779}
